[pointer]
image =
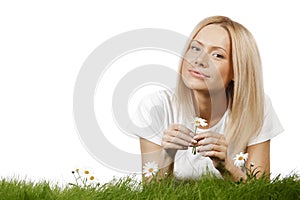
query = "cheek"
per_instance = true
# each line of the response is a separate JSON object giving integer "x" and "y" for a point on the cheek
{"x": 190, "y": 81}
{"x": 184, "y": 70}
{"x": 226, "y": 73}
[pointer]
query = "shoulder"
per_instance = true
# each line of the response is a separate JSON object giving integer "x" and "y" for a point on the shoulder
{"x": 160, "y": 97}
{"x": 153, "y": 115}
{"x": 271, "y": 125}
{"x": 270, "y": 115}
{"x": 163, "y": 94}
{"x": 267, "y": 102}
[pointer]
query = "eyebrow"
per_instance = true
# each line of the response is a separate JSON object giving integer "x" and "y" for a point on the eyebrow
{"x": 213, "y": 47}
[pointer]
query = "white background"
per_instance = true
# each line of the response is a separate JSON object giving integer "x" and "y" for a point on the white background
{"x": 44, "y": 44}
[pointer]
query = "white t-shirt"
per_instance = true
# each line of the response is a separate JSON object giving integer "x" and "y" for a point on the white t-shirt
{"x": 157, "y": 111}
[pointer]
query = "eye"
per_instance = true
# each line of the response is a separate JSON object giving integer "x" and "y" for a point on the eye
{"x": 217, "y": 55}
{"x": 194, "y": 48}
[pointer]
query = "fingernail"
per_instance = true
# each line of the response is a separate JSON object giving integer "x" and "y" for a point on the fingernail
{"x": 194, "y": 141}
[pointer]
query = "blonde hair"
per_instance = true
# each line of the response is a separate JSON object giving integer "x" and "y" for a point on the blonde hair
{"x": 246, "y": 94}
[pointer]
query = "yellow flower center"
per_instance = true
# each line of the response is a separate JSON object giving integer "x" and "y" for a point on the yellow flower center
{"x": 241, "y": 158}
{"x": 151, "y": 170}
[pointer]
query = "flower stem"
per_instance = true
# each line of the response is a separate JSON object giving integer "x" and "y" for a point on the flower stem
{"x": 194, "y": 151}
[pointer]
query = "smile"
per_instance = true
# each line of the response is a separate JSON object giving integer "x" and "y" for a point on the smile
{"x": 198, "y": 74}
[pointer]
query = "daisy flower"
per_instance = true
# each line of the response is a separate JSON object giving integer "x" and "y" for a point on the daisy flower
{"x": 150, "y": 169}
{"x": 240, "y": 159}
{"x": 198, "y": 123}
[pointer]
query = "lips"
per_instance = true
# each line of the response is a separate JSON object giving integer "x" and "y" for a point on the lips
{"x": 198, "y": 74}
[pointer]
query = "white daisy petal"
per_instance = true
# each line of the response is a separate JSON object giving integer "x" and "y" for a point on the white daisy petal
{"x": 245, "y": 156}
{"x": 203, "y": 122}
{"x": 199, "y": 122}
{"x": 240, "y": 159}
{"x": 150, "y": 169}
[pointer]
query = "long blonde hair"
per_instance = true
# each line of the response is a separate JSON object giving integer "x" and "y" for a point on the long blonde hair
{"x": 246, "y": 109}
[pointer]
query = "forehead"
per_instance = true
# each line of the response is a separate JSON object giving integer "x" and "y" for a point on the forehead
{"x": 213, "y": 35}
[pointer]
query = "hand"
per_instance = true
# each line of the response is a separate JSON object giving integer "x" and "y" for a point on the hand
{"x": 177, "y": 137}
{"x": 213, "y": 145}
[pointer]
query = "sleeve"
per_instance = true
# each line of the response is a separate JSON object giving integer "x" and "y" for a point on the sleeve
{"x": 149, "y": 121}
{"x": 271, "y": 126}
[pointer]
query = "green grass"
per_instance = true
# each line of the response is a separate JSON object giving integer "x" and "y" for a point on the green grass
{"x": 129, "y": 188}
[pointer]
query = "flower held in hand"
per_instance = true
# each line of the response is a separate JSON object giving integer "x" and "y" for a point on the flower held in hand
{"x": 198, "y": 123}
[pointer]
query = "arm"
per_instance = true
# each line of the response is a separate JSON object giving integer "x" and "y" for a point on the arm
{"x": 153, "y": 152}
{"x": 259, "y": 155}
{"x": 175, "y": 137}
{"x": 214, "y": 145}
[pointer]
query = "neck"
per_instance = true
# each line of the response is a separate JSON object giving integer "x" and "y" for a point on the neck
{"x": 210, "y": 106}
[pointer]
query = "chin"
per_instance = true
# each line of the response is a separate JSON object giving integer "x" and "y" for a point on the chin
{"x": 196, "y": 86}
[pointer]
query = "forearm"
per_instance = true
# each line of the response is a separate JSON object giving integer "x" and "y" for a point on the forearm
{"x": 151, "y": 152}
{"x": 229, "y": 170}
{"x": 235, "y": 173}
{"x": 165, "y": 161}
{"x": 166, "y": 165}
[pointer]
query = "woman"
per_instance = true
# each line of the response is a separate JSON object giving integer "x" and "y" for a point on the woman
{"x": 220, "y": 80}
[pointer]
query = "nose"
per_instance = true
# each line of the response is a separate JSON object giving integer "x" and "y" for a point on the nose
{"x": 201, "y": 60}
{"x": 199, "y": 63}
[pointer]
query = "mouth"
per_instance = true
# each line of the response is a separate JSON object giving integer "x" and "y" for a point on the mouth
{"x": 198, "y": 74}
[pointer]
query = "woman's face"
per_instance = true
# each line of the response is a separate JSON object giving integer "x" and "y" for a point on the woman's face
{"x": 207, "y": 62}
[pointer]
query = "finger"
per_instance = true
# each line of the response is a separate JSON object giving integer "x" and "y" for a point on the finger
{"x": 182, "y": 136}
{"x": 169, "y": 145}
{"x": 182, "y": 128}
{"x": 170, "y": 135}
{"x": 214, "y": 154}
{"x": 211, "y": 147}
{"x": 212, "y": 140}
{"x": 176, "y": 140}
{"x": 206, "y": 134}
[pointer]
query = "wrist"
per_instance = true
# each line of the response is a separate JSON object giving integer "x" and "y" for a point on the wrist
{"x": 170, "y": 153}
{"x": 235, "y": 172}
{"x": 230, "y": 167}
